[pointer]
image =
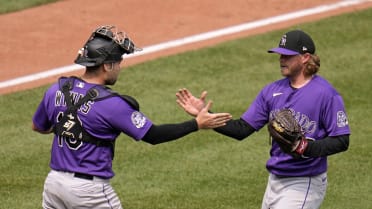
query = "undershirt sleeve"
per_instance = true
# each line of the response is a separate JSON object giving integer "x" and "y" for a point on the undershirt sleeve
{"x": 167, "y": 132}
{"x": 327, "y": 146}
{"x": 237, "y": 129}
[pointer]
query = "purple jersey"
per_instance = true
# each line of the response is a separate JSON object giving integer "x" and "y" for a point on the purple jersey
{"x": 104, "y": 119}
{"x": 319, "y": 109}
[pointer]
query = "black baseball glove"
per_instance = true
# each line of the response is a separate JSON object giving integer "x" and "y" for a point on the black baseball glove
{"x": 287, "y": 132}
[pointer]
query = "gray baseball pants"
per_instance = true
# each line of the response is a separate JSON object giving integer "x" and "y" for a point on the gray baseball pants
{"x": 295, "y": 192}
{"x": 62, "y": 190}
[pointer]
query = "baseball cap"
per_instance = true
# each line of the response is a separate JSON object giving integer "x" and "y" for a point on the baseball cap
{"x": 293, "y": 43}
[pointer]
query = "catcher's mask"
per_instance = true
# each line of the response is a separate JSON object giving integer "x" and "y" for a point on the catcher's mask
{"x": 105, "y": 45}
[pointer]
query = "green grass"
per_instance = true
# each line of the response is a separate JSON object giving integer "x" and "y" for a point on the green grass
{"x": 16, "y": 5}
{"x": 206, "y": 170}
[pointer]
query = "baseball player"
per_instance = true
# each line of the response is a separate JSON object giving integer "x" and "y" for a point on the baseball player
{"x": 293, "y": 182}
{"x": 86, "y": 117}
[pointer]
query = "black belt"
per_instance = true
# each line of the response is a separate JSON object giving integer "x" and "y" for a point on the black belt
{"x": 83, "y": 176}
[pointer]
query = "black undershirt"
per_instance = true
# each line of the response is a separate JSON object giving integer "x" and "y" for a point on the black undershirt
{"x": 167, "y": 132}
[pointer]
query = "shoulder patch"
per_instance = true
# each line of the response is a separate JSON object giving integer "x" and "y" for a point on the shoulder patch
{"x": 138, "y": 119}
{"x": 341, "y": 119}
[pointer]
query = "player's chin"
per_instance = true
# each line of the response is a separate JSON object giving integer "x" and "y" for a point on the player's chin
{"x": 110, "y": 82}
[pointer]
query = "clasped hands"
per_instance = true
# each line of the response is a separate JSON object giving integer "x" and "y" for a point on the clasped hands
{"x": 198, "y": 108}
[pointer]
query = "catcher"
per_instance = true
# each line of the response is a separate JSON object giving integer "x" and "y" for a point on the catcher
{"x": 306, "y": 119}
{"x": 86, "y": 118}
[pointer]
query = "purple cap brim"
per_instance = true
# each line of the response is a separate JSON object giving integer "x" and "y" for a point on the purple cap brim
{"x": 283, "y": 51}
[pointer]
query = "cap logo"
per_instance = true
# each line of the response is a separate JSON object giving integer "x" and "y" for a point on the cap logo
{"x": 304, "y": 48}
{"x": 283, "y": 40}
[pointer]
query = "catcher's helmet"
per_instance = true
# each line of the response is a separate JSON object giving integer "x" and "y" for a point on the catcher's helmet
{"x": 105, "y": 45}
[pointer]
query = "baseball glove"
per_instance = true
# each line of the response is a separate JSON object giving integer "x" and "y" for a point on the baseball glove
{"x": 287, "y": 132}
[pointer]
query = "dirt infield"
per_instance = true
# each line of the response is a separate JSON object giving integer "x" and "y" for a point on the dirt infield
{"x": 46, "y": 37}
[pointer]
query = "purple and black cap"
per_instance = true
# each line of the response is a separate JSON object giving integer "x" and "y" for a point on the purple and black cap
{"x": 293, "y": 43}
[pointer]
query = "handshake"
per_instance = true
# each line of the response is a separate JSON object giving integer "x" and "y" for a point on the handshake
{"x": 198, "y": 108}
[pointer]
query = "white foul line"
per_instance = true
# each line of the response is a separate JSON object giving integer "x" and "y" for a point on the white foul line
{"x": 192, "y": 39}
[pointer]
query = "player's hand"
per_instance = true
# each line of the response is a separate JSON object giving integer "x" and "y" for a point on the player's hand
{"x": 189, "y": 103}
{"x": 208, "y": 120}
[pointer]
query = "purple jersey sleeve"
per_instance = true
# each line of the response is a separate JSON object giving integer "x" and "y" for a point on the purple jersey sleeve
{"x": 40, "y": 118}
{"x": 334, "y": 119}
{"x": 43, "y": 117}
{"x": 120, "y": 116}
{"x": 257, "y": 114}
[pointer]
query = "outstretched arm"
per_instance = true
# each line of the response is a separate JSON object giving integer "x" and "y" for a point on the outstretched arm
{"x": 237, "y": 129}
{"x": 168, "y": 132}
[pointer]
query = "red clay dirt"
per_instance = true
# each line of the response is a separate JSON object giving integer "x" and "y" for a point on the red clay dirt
{"x": 49, "y": 36}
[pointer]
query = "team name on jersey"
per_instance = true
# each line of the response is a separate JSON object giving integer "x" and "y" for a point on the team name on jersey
{"x": 308, "y": 126}
{"x": 60, "y": 101}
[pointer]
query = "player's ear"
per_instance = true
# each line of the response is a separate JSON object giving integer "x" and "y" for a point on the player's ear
{"x": 306, "y": 57}
{"x": 108, "y": 66}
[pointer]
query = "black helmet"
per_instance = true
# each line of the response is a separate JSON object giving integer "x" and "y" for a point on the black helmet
{"x": 105, "y": 45}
